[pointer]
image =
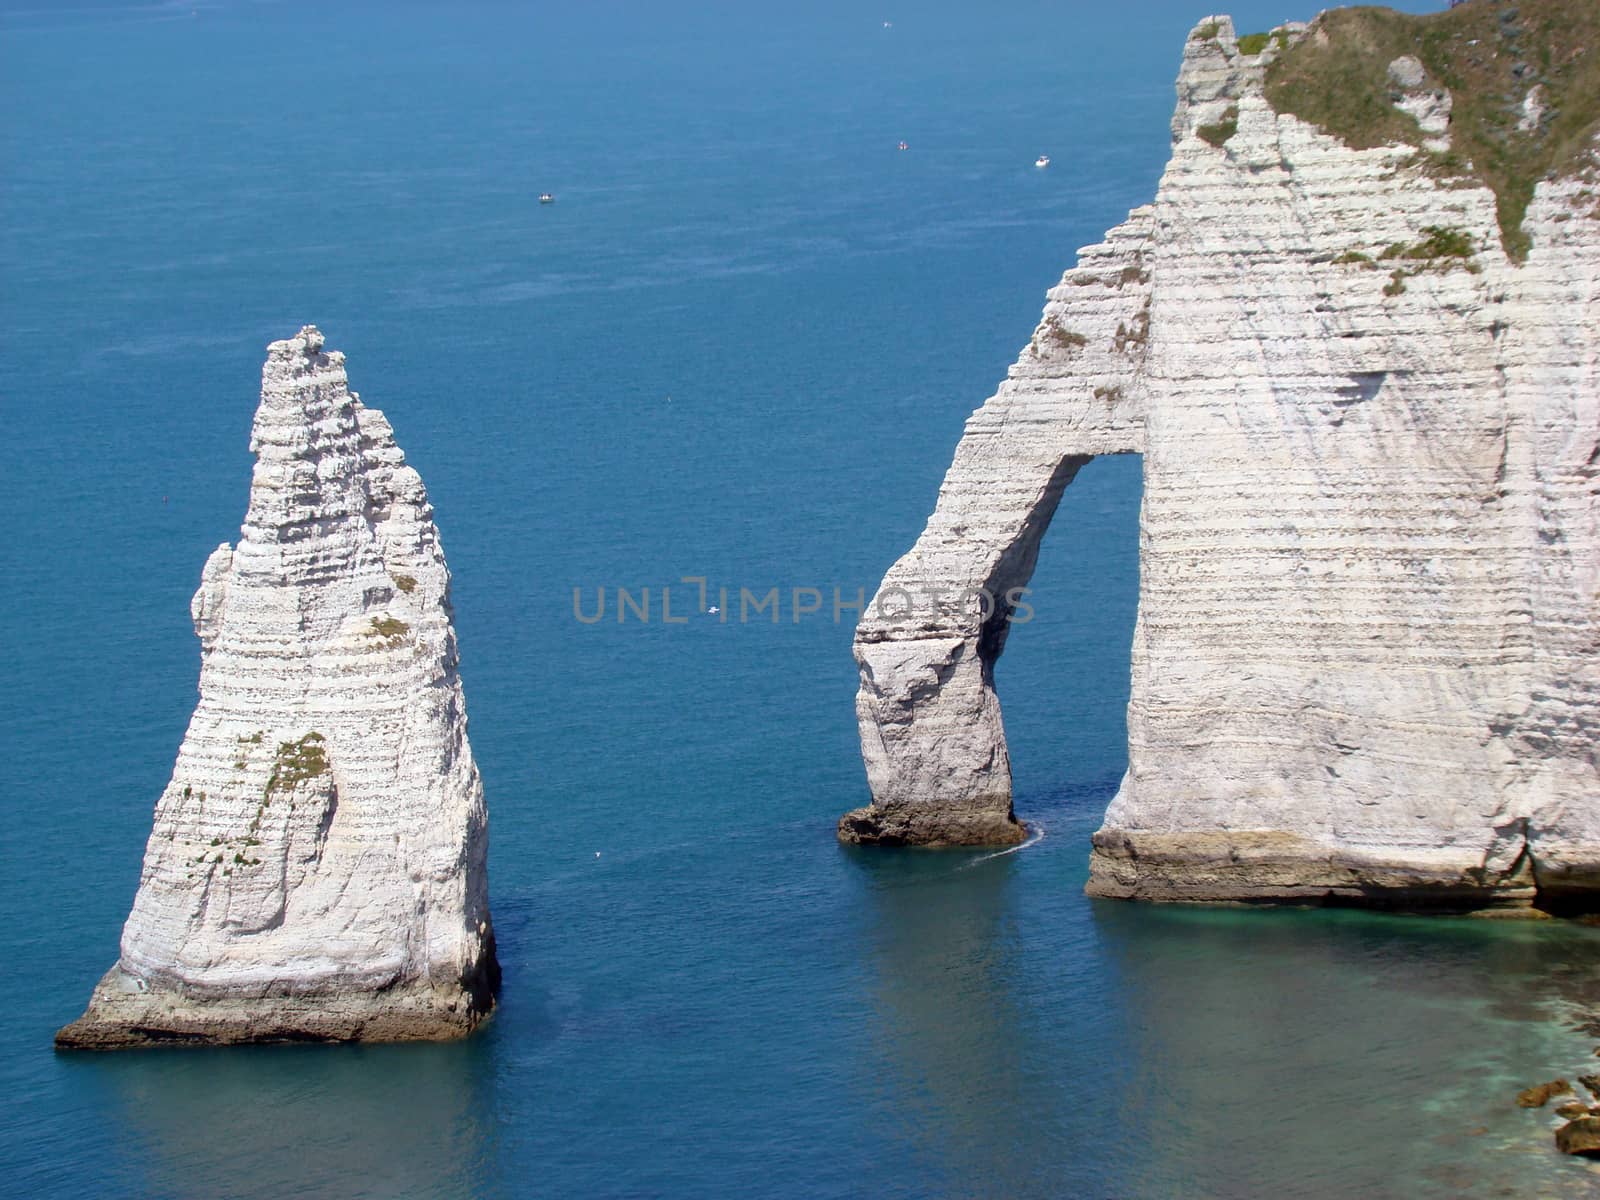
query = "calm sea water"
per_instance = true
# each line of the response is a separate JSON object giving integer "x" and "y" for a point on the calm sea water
{"x": 741, "y": 346}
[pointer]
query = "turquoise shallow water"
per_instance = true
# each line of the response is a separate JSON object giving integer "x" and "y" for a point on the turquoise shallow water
{"x": 740, "y": 345}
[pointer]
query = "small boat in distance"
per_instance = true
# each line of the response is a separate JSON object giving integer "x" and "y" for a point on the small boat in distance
{"x": 546, "y": 198}
{"x": 902, "y": 146}
{"x": 1042, "y": 161}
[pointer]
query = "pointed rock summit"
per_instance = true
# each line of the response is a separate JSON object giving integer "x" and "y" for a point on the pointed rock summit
{"x": 317, "y": 866}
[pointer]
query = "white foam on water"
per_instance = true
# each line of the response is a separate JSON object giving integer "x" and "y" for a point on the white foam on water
{"x": 1035, "y": 836}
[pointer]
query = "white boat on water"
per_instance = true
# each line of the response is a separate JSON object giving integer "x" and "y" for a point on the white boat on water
{"x": 1042, "y": 161}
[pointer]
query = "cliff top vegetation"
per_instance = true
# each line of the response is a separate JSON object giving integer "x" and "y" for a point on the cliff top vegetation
{"x": 1490, "y": 54}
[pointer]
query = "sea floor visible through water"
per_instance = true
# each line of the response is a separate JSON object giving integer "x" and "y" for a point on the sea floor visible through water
{"x": 739, "y": 344}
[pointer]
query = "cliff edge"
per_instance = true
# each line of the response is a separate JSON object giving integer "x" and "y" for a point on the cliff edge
{"x": 1354, "y": 339}
{"x": 316, "y": 871}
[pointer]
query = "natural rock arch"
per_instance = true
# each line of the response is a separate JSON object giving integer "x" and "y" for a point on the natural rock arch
{"x": 1366, "y": 663}
{"x": 931, "y": 731}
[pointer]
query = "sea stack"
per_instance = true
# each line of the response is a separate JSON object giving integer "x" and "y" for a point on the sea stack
{"x": 1356, "y": 339}
{"x": 317, "y": 869}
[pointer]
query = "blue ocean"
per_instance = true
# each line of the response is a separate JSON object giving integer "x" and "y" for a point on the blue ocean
{"x": 738, "y": 347}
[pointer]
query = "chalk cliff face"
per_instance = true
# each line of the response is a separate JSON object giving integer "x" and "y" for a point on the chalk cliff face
{"x": 1366, "y": 665}
{"x": 317, "y": 866}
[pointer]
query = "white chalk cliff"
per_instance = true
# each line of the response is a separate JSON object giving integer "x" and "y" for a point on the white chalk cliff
{"x": 1366, "y": 665}
{"x": 317, "y": 866}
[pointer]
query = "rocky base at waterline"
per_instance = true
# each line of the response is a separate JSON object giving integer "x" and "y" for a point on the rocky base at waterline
{"x": 126, "y": 1012}
{"x": 913, "y": 826}
{"x": 1271, "y": 867}
{"x": 316, "y": 870}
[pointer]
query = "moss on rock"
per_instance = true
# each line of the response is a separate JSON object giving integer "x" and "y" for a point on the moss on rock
{"x": 1223, "y": 130}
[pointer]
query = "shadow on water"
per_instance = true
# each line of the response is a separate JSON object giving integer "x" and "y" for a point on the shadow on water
{"x": 1032, "y": 1042}
{"x": 958, "y": 1030}
{"x": 1253, "y": 1028}
{"x": 374, "y": 1120}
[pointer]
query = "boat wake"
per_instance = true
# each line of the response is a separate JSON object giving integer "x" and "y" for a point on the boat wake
{"x": 1035, "y": 836}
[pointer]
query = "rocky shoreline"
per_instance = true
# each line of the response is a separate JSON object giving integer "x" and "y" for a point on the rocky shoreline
{"x": 1579, "y": 1132}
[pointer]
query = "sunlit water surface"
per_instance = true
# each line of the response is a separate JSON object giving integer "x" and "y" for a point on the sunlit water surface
{"x": 740, "y": 345}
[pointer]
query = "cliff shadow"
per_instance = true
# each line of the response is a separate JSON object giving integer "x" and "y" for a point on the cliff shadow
{"x": 967, "y": 1064}
{"x": 370, "y": 1120}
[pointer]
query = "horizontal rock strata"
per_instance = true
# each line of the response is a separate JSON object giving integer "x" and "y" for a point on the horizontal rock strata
{"x": 316, "y": 870}
{"x": 1365, "y": 664}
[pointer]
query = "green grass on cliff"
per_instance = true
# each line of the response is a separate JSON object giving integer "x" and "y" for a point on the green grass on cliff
{"x": 1441, "y": 242}
{"x": 1488, "y": 53}
{"x": 1255, "y": 43}
{"x": 1223, "y": 130}
{"x": 389, "y": 627}
{"x": 297, "y": 762}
